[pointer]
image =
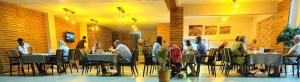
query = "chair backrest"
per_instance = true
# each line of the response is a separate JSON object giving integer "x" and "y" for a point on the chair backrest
{"x": 13, "y": 53}
{"x": 59, "y": 56}
{"x": 71, "y": 54}
{"x": 213, "y": 54}
{"x": 79, "y": 54}
{"x": 176, "y": 54}
{"x": 146, "y": 52}
{"x": 134, "y": 56}
{"x": 227, "y": 54}
{"x": 147, "y": 56}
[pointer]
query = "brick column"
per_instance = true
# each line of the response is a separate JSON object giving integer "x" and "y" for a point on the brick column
{"x": 176, "y": 25}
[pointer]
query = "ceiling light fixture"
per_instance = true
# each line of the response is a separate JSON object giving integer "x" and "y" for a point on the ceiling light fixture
{"x": 67, "y": 17}
{"x": 94, "y": 24}
{"x": 121, "y": 14}
{"x": 235, "y": 6}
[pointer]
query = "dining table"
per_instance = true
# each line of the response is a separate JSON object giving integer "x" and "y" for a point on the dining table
{"x": 268, "y": 59}
{"x": 188, "y": 57}
{"x": 102, "y": 58}
{"x": 36, "y": 58}
{"x": 39, "y": 59}
{"x": 272, "y": 59}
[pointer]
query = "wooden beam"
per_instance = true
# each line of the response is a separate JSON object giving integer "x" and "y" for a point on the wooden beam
{"x": 171, "y": 4}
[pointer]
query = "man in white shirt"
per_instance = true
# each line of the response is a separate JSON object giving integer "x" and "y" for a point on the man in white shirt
{"x": 295, "y": 50}
{"x": 156, "y": 47}
{"x": 23, "y": 47}
{"x": 125, "y": 55}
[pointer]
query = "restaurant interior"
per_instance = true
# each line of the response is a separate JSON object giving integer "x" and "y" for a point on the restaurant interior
{"x": 149, "y": 40}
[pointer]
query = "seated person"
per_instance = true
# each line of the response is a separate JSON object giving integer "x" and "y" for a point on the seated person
{"x": 125, "y": 55}
{"x": 156, "y": 47}
{"x": 190, "y": 50}
{"x": 294, "y": 51}
{"x": 23, "y": 49}
{"x": 253, "y": 46}
{"x": 201, "y": 51}
{"x": 238, "y": 51}
{"x": 175, "y": 59}
{"x": 65, "y": 48}
{"x": 97, "y": 49}
{"x": 221, "y": 47}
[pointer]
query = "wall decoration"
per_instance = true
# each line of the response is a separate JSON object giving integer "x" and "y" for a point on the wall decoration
{"x": 224, "y": 30}
{"x": 195, "y": 30}
{"x": 210, "y": 30}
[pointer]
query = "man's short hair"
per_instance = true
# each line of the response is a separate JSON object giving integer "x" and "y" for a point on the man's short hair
{"x": 84, "y": 37}
{"x": 117, "y": 42}
{"x": 20, "y": 40}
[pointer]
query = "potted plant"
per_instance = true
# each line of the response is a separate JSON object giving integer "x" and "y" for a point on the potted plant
{"x": 287, "y": 35}
{"x": 164, "y": 71}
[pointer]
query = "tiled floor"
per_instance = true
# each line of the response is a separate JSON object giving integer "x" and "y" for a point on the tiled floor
{"x": 91, "y": 77}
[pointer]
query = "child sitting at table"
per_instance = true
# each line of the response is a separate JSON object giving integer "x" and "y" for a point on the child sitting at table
{"x": 97, "y": 49}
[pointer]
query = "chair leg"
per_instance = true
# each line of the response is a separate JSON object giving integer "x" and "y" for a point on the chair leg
{"x": 132, "y": 70}
{"x": 153, "y": 68}
{"x": 198, "y": 69}
{"x": 10, "y": 70}
{"x": 82, "y": 70}
{"x": 19, "y": 69}
{"x": 215, "y": 71}
{"x": 285, "y": 70}
{"x": 150, "y": 69}
{"x": 293, "y": 70}
{"x": 76, "y": 67}
{"x": 147, "y": 69}
{"x": 22, "y": 68}
{"x": 28, "y": 67}
{"x": 136, "y": 70}
{"x": 298, "y": 71}
{"x": 70, "y": 66}
{"x": 52, "y": 67}
{"x": 144, "y": 70}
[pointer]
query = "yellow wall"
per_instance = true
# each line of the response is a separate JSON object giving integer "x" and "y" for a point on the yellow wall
{"x": 225, "y": 8}
{"x": 240, "y": 25}
{"x": 51, "y": 32}
{"x": 149, "y": 36}
{"x": 83, "y": 32}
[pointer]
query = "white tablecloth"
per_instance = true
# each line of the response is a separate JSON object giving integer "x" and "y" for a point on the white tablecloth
{"x": 36, "y": 58}
{"x": 101, "y": 57}
{"x": 267, "y": 59}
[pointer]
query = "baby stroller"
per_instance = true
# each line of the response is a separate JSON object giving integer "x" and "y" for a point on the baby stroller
{"x": 175, "y": 58}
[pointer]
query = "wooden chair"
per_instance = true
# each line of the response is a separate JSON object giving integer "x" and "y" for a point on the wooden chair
{"x": 132, "y": 63}
{"x": 14, "y": 60}
{"x": 210, "y": 62}
{"x": 71, "y": 60}
{"x": 148, "y": 61}
{"x": 286, "y": 58}
{"x": 57, "y": 60}
{"x": 228, "y": 61}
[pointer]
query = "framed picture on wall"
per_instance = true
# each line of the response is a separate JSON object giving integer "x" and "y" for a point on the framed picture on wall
{"x": 210, "y": 30}
{"x": 224, "y": 30}
{"x": 195, "y": 30}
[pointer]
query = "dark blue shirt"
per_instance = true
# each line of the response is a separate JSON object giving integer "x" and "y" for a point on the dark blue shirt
{"x": 201, "y": 48}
